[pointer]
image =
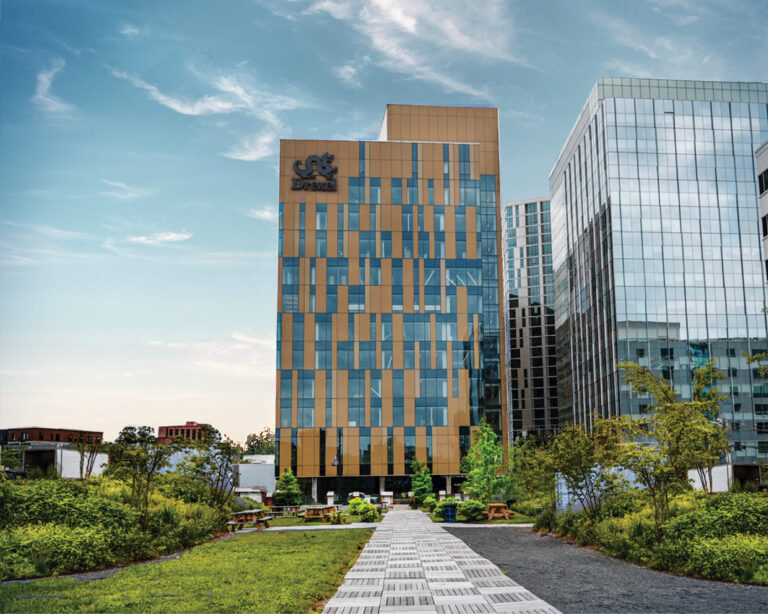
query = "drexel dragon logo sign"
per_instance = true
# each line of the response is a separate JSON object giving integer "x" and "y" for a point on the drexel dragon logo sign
{"x": 315, "y": 164}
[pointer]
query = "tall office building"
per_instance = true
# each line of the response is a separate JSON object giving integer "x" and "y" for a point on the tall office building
{"x": 761, "y": 163}
{"x": 388, "y": 344}
{"x": 529, "y": 323}
{"x": 658, "y": 261}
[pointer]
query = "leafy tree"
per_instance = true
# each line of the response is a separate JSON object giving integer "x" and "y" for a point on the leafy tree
{"x": 586, "y": 461}
{"x": 678, "y": 436}
{"x": 211, "y": 464}
{"x": 136, "y": 457}
{"x": 530, "y": 469}
{"x": 484, "y": 465}
{"x": 262, "y": 442}
{"x": 131, "y": 435}
{"x": 287, "y": 491}
{"x": 89, "y": 452}
{"x": 421, "y": 481}
{"x": 714, "y": 442}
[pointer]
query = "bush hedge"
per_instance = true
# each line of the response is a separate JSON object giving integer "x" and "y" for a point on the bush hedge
{"x": 471, "y": 510}
{"x": 722, "y": 537}
{"x": 56, "y": 526}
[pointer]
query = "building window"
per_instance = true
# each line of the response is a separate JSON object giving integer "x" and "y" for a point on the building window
{"x": 375, "y": 191}
{"x": 397, "y": 191}
{"x": 356, "y": 299}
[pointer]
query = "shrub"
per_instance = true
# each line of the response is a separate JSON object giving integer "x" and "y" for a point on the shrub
{"x": 546, "y": 521}
{"x": 737, "y": 558}
{"x": 45, "y": 549}
{"x": 472, "y": 510}
{"x": 533, "y": 506}
{"x": 356, "y": 505}
{"x": 61, "y": 502}
{"x": 723, "y": 515}
{"x": 369, "y": 513}
{"x": 439, "y": 509}
{"x": 623, "y": 502}
{"x": 430, "y": 503}
{"x": 337, "y": 518}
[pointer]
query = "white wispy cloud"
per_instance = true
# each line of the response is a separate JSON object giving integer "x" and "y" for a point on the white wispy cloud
{"x": 43, "y": 97}
{"x": 252, "y": 148}
{"x": 268, "y": 214}
{"x": 349, "y": 75}
{"x": 204, "y": 105}
{"x": 121, "y": 191}
{"x": 49, "y": 231}
{"x": 417, "y": 39}
{"x": 680, "y": 12}
{"x": 662, "y": 54}
{"x": 25, "y": 244}
{"x": 160, "y": 238}
{"x": 242, "y": 355}
{"x": 232, "y": 93}
{"x": 130, "y": 31}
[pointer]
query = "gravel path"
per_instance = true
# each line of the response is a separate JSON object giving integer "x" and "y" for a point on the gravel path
{"x": 575, "y": 579}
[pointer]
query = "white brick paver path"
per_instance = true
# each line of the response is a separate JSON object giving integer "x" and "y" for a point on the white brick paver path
{"x": 413, "y": 565}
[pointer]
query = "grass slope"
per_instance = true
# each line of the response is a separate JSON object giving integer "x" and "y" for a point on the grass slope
{"x": 268, "y": 572}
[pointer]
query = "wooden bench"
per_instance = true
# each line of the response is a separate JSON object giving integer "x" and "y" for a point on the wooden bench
{"x": 498, "y": 510}
{"x": 249, "y": 517}
{"x": 318, "y": 512}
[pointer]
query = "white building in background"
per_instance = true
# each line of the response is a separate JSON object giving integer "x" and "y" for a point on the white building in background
{"x": 256, "y": 478}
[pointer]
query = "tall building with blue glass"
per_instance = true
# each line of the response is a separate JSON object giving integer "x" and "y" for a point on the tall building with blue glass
{"x": 657, "y": 257}
{"x": 530, "y": 321}
{"x": 388, "y": 330}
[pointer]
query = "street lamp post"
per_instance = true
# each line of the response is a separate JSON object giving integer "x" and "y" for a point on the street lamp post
{"x": 337, "y": 464}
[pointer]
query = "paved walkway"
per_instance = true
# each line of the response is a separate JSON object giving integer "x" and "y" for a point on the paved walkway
{"x": 411, "y": 564}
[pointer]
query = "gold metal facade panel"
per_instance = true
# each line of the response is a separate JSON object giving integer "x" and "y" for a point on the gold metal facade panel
{"x": 384, "y": 160}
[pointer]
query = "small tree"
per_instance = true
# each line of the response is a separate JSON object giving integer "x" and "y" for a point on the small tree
{"x": 421, "y": 481}
{"x": 137, "y": 458}
{"x": 89, "y": 452}
{"x": 678, "y": 436}
{"x": 714, "y": 442}
{"x": 262, "y": 442}
{"x": 211, "y": 463}
{"x": 484, "y": 465}
{"x": 586, "y": 463}
{"x": 287, "y": 491}
{"x": 530, "y": 469}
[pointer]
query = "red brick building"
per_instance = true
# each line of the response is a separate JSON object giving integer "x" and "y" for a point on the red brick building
{"x": 38, "y": 434}
{"x": 190, "y": 431}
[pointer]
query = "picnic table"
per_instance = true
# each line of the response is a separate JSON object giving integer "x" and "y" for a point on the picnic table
{"x": 498, "y": 510}
{"x": 315, "y": 512}
{"x": 285, "y": 510}
{"x": 251, "y": 517}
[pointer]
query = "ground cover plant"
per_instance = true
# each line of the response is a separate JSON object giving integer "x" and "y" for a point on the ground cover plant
{"x": 255, "y": 572}
{"x": 136, "y": 511}
{"x": 630, "y": 492}
{"x": 57, "y": 526}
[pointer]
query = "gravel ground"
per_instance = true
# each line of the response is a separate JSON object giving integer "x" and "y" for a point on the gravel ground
{"x": 575, "y": 579}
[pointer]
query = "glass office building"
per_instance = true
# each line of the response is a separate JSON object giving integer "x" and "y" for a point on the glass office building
{"x": 529, "y": 324}
{"x": 388, "y": 325}
{"x": 658, "y": 261}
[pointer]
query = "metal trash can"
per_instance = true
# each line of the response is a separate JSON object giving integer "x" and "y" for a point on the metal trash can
{"x": 449, "y": 513}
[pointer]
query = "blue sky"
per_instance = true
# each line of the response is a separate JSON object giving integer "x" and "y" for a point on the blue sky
{"x": 138, "y": 165}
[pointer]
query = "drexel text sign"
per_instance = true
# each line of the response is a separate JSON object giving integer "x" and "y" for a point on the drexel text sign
{"x": 306, "y": 176}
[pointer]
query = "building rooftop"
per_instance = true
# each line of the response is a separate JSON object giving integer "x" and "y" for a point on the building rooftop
{"x": 661, "y": 89}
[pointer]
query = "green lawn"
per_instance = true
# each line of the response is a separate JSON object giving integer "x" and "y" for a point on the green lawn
{"x": 256, "y": 572}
